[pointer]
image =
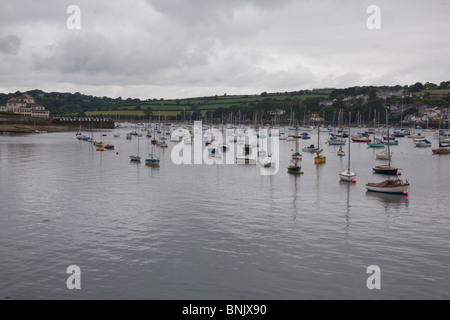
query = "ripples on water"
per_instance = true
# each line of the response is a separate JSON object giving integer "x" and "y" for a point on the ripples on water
{"x": 216, "y": 232}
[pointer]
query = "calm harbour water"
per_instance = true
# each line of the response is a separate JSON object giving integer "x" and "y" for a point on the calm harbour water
{"x": 216, "y": 232}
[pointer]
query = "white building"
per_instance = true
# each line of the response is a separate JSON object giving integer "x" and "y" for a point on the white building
{"x": 26, "y": 106}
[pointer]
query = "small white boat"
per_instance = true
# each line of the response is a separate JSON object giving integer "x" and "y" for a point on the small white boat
{"x": 336, "y": 142}
{"x": 416, "y": 136}
{"x": 311, "y": 149}
{"x": 383, "y": 155}
{"x": 424, "y": 143}
{"x": 347, "y": 175}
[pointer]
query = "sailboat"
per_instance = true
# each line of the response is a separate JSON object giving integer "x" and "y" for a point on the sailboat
{"x": 386, "y": 169}
{"x": 376, "y": 143}
{"x": 341, "y": 152}
{"x": 334, "y": 141}
{"x": 153, "y": 160}
{"x": 348, "y": 175}
{"x": 384, "y": 155}
{"x": 136, "y": 158}
{"x": 79, "y": 134}
{"x": 295, "y": 168}
{"x": 442, "y": 149}
{"x": 319, "y": 159}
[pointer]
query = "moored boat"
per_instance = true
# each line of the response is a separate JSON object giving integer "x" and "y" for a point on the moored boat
{"x": 319, "y": 159}
{"x": 295, "y": 167}
{"x": 385, "y": 169}
{"x": 383, "y": 155}
{"x": 443, "y": 149}
{"x": 389, "y": 186}
{"x": 423, "y": 143}
{"x": 348, "y": 175}
{"x": 311, "y": 149}
{"x": 152, "y": 161}
{"x": 361, "y": 139}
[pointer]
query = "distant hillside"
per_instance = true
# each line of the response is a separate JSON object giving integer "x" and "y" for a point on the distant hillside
{"x": 364, "y": 101}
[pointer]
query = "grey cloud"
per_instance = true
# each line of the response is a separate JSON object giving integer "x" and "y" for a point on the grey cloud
{"x": 181, "y": 46}
{"x": 10, "y": 45}
{"x": 197, "y": 12}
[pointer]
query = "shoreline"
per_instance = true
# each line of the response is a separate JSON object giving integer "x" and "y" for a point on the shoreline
{"x": 26, "y": 129}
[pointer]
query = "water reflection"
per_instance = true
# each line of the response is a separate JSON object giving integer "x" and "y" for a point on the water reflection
{"x": 295, "y": 196}
{"x": 389, "y": 201}
{"x": 347, "y": 187}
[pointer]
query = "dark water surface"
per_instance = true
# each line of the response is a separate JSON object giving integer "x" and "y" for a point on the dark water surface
{"x": 216, "y": 232}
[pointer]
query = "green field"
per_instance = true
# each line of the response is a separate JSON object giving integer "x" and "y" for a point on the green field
{"x": 437, "y": 91}
{"x": 212, "y": 103}
{"x": 173, "y": 107}
{"x": 133, "y": 113}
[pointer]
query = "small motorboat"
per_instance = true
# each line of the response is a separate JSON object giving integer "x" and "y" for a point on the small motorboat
{"x": 361, "y": 139}
{"x": 341, "y": 153}
{"x": 109, "y": 147}
{"x": 389, "y": 186}
{"x": 377, "y": 143}
{"x": 422, "y": 143}
{"x": 311, "y": 149}
{"x": 334, "y": 141}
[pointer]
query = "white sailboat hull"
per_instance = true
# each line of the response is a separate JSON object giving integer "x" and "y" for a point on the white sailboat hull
{"x": 382, "y": 156}
{"x": 423, "y": 145}
{"x": 347, "y": 176}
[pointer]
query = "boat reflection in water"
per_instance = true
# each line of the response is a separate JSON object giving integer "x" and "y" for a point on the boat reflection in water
{"x": 389, "y": 200}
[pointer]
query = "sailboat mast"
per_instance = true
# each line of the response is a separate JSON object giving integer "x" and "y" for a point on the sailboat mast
{"x": 296, "y": 145}
{"x": 389, "y": 144}
{"x": 349, "y": 140}
{"x": 318, "y": 139}
{"x": 439, "y": 132}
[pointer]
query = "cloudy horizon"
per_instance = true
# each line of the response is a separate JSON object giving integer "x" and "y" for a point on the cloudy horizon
{"x": 179, "y": 49}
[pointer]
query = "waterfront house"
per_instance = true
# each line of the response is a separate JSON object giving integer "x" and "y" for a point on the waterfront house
{"x": 25, "y": 106}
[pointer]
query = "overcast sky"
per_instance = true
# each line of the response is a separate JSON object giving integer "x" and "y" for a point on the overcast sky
{"x": 189, "y": 48}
